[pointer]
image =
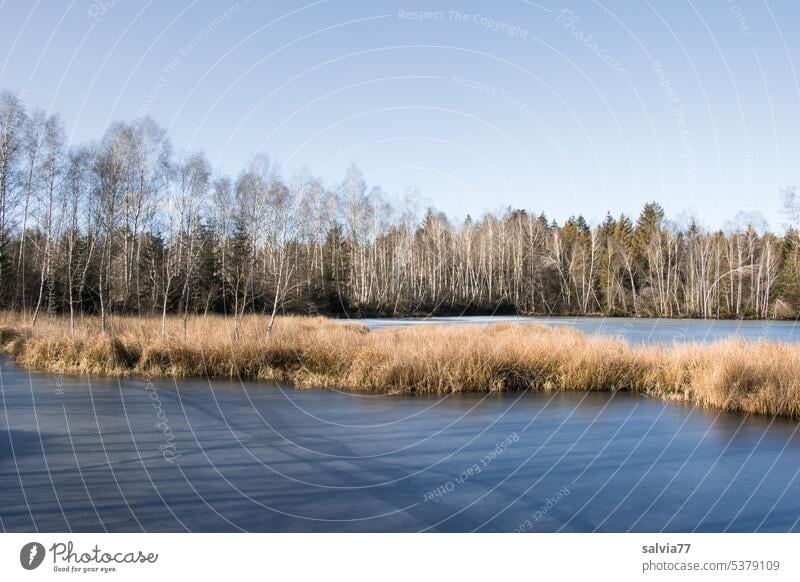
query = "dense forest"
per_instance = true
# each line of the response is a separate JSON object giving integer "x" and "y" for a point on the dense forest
{"x": 126, "y": 225}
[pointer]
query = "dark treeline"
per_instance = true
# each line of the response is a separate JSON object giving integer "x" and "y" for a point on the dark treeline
{"x": 128, "y": 226}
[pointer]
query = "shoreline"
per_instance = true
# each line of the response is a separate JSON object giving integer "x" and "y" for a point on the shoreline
{"x": 455, "y": 315}
{"x": 423, "y": 316}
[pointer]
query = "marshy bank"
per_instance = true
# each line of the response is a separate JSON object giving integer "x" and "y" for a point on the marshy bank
{"x": 760, "y": 377}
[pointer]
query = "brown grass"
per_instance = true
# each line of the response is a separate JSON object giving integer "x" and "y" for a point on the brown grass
{"x": 758, "y": 377}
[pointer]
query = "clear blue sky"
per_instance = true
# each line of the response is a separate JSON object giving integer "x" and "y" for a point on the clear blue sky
{"x": 569, "y": 107}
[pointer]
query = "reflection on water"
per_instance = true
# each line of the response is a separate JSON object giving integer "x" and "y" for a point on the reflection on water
{"x": 261, "y": 457}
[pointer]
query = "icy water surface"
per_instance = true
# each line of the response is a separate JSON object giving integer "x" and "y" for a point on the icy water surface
{"x": 130, "y": 455}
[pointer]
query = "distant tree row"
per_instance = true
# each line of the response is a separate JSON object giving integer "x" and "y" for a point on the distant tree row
{"x": 127, "y": 226}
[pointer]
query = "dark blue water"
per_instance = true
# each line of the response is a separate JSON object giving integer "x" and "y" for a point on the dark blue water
{"x": 108, "y": 455}
{"x": 631, "y": 329}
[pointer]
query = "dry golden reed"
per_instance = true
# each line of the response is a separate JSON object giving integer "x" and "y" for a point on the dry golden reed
{"x": 752, "y": 376}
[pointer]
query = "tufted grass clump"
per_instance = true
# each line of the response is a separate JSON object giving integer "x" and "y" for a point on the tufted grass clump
{"x": 757, "y": 377}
